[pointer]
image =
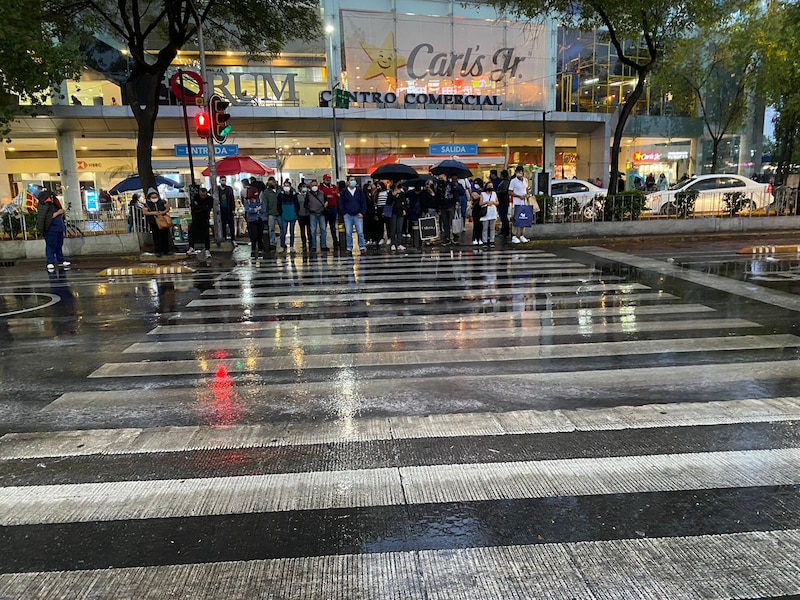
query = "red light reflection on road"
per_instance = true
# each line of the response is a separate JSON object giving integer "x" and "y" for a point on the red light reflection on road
{"x": 224, "y": 408}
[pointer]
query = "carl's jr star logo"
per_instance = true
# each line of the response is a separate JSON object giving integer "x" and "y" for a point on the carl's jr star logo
{"x": 385, "y": 60}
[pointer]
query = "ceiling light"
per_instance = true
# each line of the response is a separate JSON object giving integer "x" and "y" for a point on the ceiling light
{"x": 347, "y": 145}
{"x": 154, "y": 147}
{"x": 363, "y": 139}
{"x": 427, "y": 140}
{"x": 84, "y": 148}
{"x": 404, "y": 146}
{"x": 10, "y": 149}
{"x": 485, "y": 139}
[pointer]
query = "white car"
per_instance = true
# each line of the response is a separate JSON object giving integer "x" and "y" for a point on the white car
{"x": 711, "y": 190}
{"x": 588, "y": 196}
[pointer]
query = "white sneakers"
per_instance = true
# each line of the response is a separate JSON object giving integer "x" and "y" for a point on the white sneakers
{"x": 50, "y": 266}
{"x": 394, "y": 247}
{"x": 474, "y": 242}
{"x": 191, "y": 251}
{"x": 523, "y": 239}
{"x": 208, "y": 253}
{"x": 401, "y": 247}
{"x": 515, "y": 240}
{"x": 381, "y": 243}
{"x": 66, "y": 263}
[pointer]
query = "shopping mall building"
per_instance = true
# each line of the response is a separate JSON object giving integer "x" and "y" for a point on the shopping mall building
{"x": 427, "y": 79}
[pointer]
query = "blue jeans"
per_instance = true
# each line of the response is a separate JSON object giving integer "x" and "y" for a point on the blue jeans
{"x": 290, "y": 226}
{"x": 273, "y": 220}
{"x": 349, "y": 222}
{"x": 53, "y": 242}
{"x": 318, "y": 222}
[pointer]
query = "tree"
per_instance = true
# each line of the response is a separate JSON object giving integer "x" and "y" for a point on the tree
{"x": 37, "y": 52}
{"x": 778, "y": 38}
{"x": 715, "y": 68}
{"x": 655, "y": 25}
{"x": 155, "y": 30}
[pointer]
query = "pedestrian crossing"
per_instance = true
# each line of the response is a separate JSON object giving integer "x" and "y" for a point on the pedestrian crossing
{"x": 520, "y": 424}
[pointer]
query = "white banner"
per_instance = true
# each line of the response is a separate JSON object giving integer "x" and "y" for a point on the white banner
{"x": 417, "y": 54}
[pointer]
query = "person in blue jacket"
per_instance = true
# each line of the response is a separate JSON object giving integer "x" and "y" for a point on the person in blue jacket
{"x": 288, "y": 208}
{"x": 353, "y": 206}
{"x": 256, "y": 213}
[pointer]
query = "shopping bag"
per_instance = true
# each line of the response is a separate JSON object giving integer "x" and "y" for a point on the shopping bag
{"x": 535, "y": 205}
{"x": 458, "y": 224}
{"x": 523, "y": 216}
{"x": 428, "y": 228}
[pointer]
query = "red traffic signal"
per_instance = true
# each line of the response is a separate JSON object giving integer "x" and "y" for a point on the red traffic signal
{"x": 203, "y": 124}
{"x": 219, "y": 118}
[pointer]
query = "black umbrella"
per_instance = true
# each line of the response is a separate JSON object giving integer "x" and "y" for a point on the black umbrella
{"x": 451, "y": 167}
{"x": 419, "y": 181}
{"x": 395, "y": 172}
{"x": 134, "y": 183}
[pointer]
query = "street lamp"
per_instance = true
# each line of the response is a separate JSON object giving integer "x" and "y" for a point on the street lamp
{"x": 329, "y": 30}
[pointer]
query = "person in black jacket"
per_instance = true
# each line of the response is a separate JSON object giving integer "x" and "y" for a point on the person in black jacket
{"x": 227, "y": 208}
{"x": 155, "y": 205}
{"x": 396, "y": 199}
{"x": 201, "y": 206}
{"x": 50, "y": 222}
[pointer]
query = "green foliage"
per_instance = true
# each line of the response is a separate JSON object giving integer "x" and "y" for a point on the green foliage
{"x": 735, "y": 202}
{"x": 37, "y": 52}
{"x": 12, "y": 224}
{"x": 684, "y": 202}
{"x": 626, "y": 206}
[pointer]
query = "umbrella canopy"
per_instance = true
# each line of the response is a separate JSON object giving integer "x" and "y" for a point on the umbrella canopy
{"x": 233, "y": 165}
{"x": 452, "y": 167}
{"x": 134, "y": 183}
{"x": 395, "y": 172}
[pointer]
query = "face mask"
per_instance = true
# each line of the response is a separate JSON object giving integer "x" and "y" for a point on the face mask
{"x": 489, "y": 189}
{"x": 520, "y": 176}
{"x": 314, "y": 188}
{"x": 352, "y": 184}
{"x": 286, "y": 188}
{"x": 302, "y": 190}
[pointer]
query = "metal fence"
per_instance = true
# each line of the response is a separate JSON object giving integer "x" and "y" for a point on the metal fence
{"x": 18, "y": 225}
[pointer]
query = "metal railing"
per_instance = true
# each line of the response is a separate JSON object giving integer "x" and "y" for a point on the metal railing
{"x": 18, "y": 225}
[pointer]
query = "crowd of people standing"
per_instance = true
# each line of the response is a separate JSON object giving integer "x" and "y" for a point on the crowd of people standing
{"x": 377, "y": 213}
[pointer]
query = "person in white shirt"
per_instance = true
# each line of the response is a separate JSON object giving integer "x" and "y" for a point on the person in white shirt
{"x": 518, "y": 194}
{"x": 489, "y": 202}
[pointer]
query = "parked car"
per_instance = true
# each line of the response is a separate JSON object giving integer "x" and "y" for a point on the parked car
{"x": 711, "y": 190}
{"x": 588, "y": 197}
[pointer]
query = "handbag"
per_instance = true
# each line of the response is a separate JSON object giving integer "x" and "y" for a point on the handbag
{"x": 457, "y": 226}
{"x": 387, "y": 210}
{"x": 535, "y": 205}
{"x": 163, "y": 221}
{"x": 523, "y": 216}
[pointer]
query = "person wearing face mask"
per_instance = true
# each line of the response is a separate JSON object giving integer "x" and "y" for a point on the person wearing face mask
{"x": 518, "y": 195}
{"x": 288, "y": 207}
{"x": 227, "y": 208}
{"x": 303, "y": 216}
{"x": 255, "y": 214}
{"x": 316, "y": 203}
{"x": 353, "y": 206}
{"x": 269, "y": 197}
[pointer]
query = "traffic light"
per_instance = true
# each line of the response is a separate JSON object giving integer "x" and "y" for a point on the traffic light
{"x": 219, "y": 118}
{"x": 203, "y": 124}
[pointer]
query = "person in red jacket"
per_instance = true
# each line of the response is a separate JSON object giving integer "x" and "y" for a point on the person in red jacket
{"x": 331, "y": 192}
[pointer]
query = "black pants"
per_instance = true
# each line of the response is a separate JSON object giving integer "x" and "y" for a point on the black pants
{"x": 161, "y": 239}
{"x": 477, "y": 225}
{"x": 255, "y": 231}
{"x": 305, "y": 230}
{"x": 502, "y": 208}
{"x": 332, "y": 216}
{"x": 198, "y": 232}
{"x": 228, "y": 221}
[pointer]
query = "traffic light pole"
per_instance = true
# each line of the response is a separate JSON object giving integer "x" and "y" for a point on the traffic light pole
{"x": 188, "y": 137}
{"x": 212, "y": 164}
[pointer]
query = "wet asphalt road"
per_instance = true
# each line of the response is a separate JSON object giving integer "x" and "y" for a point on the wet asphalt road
{"x": 575, "y": 420}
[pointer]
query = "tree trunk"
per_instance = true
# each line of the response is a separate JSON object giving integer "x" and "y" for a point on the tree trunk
{"x": 627, "y": 109}
{"x": 142, "y": 91}
{"x": 715, "y": 141}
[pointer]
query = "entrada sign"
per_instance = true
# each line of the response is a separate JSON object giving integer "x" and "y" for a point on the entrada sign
{"x": 410, "y": 99}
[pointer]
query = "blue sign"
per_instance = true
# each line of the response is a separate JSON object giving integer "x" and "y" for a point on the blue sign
{"x": 92, "y": 201}
{"x": 220, "y": 150}
{"x": 452, "y": 149}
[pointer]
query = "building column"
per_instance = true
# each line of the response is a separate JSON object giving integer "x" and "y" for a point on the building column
{"x": 594, "y": 155}
{"x": 68, "y": 166}
{"x": 5, "y": 182}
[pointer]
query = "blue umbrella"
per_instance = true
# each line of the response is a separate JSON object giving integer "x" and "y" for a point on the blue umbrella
{"x": 133, "y": 183}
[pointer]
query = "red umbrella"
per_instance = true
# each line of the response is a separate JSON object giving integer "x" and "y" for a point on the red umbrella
{"x": 233, "y": 165}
